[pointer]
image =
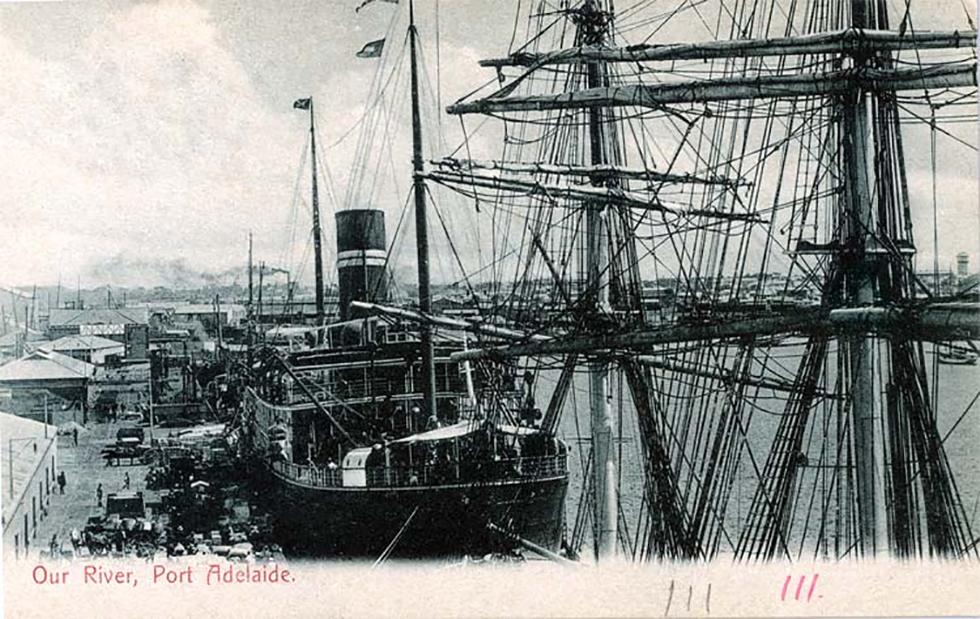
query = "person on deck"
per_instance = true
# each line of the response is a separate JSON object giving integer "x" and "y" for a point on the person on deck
{"x": 415, "y": 419}
{"x": 398, "y": 418}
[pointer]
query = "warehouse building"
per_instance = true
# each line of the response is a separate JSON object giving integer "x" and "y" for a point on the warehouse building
{"x": 29, "y": 451}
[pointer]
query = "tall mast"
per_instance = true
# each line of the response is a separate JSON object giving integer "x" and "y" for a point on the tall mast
{"x": 421, "y": 226}
{"x": 861, "y": 275}
{"x": 317, "y": 244}
{"x": 250, "y": 295}
{"x": 594, "y": 27}
{"x": 261, "y": 274}
{"x": 250, "y": 320}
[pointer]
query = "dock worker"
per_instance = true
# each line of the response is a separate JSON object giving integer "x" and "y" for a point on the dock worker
{"x": 74, "y": 435}
{"x": 98, "y": 495}
{"x": 126, "y": 481}
{"x": 61, "y": 481}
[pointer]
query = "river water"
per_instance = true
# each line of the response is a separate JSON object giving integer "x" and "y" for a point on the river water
{"x": 958, "y": 385}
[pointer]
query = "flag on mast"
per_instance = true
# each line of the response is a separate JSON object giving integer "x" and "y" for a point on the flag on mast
{"x": 372, "y": 49}
{"x": 302, "y": 104}
{"x": 367, "y": 2}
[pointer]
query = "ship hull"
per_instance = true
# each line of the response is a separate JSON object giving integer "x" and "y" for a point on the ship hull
{"x": 448, "y": 520}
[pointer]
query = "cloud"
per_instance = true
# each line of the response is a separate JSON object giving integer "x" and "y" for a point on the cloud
{"x": 149, "y": 139}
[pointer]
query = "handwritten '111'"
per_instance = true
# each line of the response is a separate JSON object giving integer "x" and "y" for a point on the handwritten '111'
{"x": 800, "y": 587}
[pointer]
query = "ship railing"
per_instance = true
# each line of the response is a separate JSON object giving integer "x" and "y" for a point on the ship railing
{"x": 468, "y": 472}
{"x": 371, "y": 388}
{"x": 431, "y": 474}
{"x": 320, "y": 477}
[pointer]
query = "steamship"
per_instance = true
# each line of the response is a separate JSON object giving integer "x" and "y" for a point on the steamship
{"x": 356, "y": 460}
{"x": 373, "y": 441}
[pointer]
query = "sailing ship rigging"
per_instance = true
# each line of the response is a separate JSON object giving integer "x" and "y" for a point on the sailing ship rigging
{"x": 775, "y": 393}
{"x": 782, "y": 139}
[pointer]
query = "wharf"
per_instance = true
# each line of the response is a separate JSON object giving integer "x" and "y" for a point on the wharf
{"x": 84, "y": 469}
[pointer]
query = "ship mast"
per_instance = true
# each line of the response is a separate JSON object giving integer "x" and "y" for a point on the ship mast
{"x": 251, "y": 309}
{"x": 421, "y": 227}
{"x": 250, "y": 293}
{"x": 317, "y": 243}
{"x": 861, "y": 293}
{"x": 594, "y": 28}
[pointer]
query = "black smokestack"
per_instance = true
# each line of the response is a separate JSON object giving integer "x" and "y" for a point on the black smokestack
{"x": 361, "y": 245}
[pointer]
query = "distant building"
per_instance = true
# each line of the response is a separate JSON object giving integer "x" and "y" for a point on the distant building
{"x": 89, "y": 348}
{"x": 942, "y": 283}
{"x": 121, "y": 386}
{"x": 106, "y": 322}
{"x": 166, "y": 315}
{"x": 962, "y": 264}
{"x": 137, "y": 340}
{"x": 180, "y": 340}
{"x": 295, "y": 312}
{"x": 226, "y": 314}
{"x": 44, "y": 371}
{"x": 32, "y": 450}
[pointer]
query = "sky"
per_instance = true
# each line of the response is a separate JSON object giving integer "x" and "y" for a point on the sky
{"x": 139, "y": 133}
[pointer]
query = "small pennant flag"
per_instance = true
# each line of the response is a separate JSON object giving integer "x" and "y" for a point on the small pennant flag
{"x": 367, "y": 2}
{"x": 372, "y": 49}
{"x": 302, "y": 104}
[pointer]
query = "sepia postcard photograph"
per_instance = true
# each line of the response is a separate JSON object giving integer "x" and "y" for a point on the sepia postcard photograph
{"x": 489, "y": 308}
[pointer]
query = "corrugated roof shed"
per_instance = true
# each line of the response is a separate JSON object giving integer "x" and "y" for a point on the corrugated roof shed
{"x": 80, "y": 342}
{"x": 45, "y": 365}
{"x": 98, "y": 316}
{"x": 207, "y": 308}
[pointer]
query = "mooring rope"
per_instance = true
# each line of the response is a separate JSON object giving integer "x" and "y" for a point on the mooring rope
{"x": 394, "y": 541}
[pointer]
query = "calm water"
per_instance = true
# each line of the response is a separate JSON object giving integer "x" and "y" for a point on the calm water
{"x": 958, "y": 386}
